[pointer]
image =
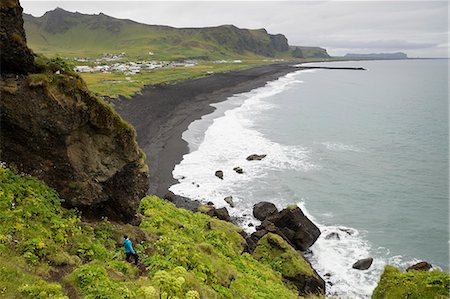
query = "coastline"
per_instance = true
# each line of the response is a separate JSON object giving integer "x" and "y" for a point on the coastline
{"x": 160, "y": 114}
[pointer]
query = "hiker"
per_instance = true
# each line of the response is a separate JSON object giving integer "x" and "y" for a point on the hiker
{"x": 129, "y": 251}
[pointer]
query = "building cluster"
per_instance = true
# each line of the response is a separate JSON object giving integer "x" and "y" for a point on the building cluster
{"x": 132, "y": 68}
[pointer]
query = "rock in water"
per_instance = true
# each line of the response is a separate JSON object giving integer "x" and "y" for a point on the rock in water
{"x": 219, "y": 174}
{"x": 363, "y": 264}
{"x": 229, "y": 200}
{"x": 263, "y": 209}
{"x": 421, "y": 266}
{"x": 53, "y": 128}
{"x": 221, "y": 213}
{"x": 238, "y": 170}
{"x": 334, "y": 236}
{"x": 255, "y": 157}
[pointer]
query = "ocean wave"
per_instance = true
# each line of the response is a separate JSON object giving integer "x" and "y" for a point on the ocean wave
{"x": 340, "y": 147}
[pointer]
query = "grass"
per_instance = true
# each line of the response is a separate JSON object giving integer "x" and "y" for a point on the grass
{"x": 188, "y": 255}
{"x": 413, "y": 285}
{"x": 114, "y": 85}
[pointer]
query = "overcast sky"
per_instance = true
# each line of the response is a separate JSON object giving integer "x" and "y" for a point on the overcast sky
{"x": 417, "y": 28}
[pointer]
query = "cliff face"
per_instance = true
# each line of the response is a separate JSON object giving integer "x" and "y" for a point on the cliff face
{"x": 15, "y": 55}
{"x": 54, "y": 129}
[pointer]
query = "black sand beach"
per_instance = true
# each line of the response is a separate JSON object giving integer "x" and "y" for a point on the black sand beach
{"x": 161, "y": 114}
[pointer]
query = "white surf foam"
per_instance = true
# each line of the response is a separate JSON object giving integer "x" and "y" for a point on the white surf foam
{"x": 229, "y": 140}
{"x": 340, "y": 147}
{"x": 337, "y": 249}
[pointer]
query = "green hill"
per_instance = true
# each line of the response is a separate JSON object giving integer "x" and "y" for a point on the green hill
{"x": 49, "y": 252}
{"x": 69, "y": 34}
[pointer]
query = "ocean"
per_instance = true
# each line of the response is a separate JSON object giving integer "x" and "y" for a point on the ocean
{"x": 363, "y": 153}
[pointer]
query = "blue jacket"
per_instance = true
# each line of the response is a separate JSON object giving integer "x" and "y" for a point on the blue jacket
{"x": 128, "y": 246}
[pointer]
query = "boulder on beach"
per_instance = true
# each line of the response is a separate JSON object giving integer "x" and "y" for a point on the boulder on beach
{"x": 421, "y": 266}
{"x": 229, "y": 200}
{"x": 363, "y": 264}
{"x": 263, "y": 209}
{"x": 255, "y": 157}
{"x": 219, "y": 174}
{"x": 238, "y": 170}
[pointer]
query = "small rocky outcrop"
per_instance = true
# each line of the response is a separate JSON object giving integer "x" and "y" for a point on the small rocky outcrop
{"x": 210, "y": 210}
{"x": 292, "y": 225}
{"x": 238, "y": 170}
{"x": 421, "y": 266}
{"x": 333, "y": 236}
{"x": 219, "y": 174}
{"x": 264, "y": 209}
{"x": 273, "y": 250}
{"x": 229, "y": 200}
{"x": 16, "y": 57}
{"x": 255, "y": 157}
{"x": 363, "y": 264}
{"x": 182, "y": 202}
{"x": 53, "y": 128}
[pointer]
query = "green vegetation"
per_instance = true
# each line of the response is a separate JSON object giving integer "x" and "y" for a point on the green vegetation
{"x": 414, "y": 284}
{"x": 274, "y": 251}
{"x": 115, "y": 84}
{"x": 49, "y": 252}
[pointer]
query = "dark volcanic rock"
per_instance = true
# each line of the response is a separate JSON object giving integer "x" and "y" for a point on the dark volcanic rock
{"x": 219, "y": 174}
{"x": 238, "y": 170}
{"x": 279, "y": 42}
{"x": 221, "y": 213}
{"x": 263, "y": 209}
{"x": 363, "y": 264}
{"x": 292, "y": 220}
{"x": 16, "y": 57}
{"x": 182, "y": 202}
{"x": 255, "y": 157}
{"x": 333, "y": 235}
{"x": 229, "y": 200}
{"x": 54, "y": 129}
{"x": 421, "y": 266}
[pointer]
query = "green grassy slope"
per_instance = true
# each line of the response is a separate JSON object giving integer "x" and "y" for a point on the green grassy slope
{"x": 49, "y": 252}
{"x": 414, "y": 284}
{"x": 68, "y": 34}
{"x": 59, "y": 32}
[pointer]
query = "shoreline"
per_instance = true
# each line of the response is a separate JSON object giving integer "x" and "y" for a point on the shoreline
{"x": 160, "y": 114}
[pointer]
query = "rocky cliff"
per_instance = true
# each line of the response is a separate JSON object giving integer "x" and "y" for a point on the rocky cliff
{"x": 15, "y": 55}
{"x": 54, "y": 129}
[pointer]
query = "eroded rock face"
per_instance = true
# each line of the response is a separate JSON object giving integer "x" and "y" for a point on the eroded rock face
{"x": 54, "y": 129}
{"x": 59, "y": 133}
{"x": 15, "y": 55}
{"x": 263, "y": 209}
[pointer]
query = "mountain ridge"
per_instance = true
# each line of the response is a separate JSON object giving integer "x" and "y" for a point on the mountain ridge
{"x": 60, "y": 32}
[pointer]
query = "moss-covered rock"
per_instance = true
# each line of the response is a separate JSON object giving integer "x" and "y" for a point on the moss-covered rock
{"x": 54, "y": 129}
{"x": 276, "y": 252}
{"x": 413, "y": 284}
